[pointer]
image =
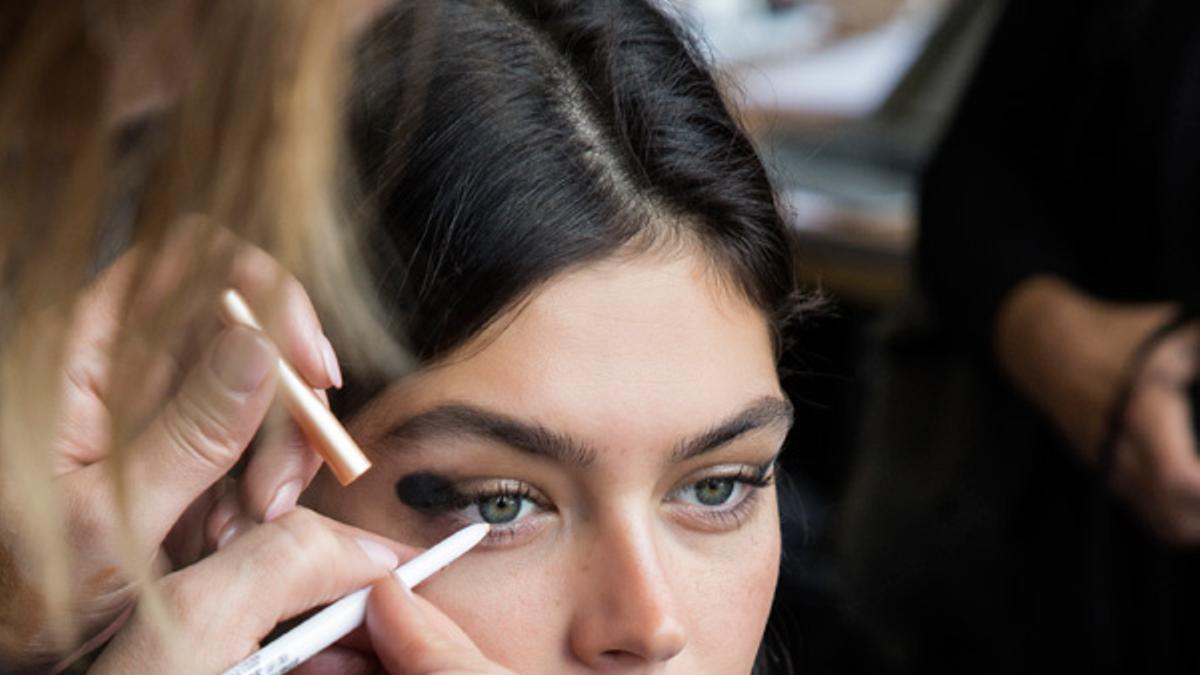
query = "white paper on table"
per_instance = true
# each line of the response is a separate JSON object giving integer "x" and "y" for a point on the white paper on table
{"x": 850, "y": 79}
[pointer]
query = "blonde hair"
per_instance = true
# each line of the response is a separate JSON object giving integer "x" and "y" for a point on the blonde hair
{"x": 249, "y": 144}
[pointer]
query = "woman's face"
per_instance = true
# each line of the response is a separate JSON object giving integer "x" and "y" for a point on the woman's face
{"x": 619, "y": 431}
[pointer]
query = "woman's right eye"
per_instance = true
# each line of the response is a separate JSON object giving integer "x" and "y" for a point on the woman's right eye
{"x": 499, "y": 509}
{"x": 514, "y": 510}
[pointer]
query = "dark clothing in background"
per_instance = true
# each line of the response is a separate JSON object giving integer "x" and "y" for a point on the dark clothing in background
{"x": 1076, "y": 152}
{"x": 982, "y": 544}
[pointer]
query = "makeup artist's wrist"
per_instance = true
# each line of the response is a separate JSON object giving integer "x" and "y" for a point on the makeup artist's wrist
{"x": 1067, "y": 351}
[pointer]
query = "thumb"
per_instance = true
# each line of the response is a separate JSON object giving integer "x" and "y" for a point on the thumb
{"x": 411, "y": 637}
{"x": 202, "y": 431}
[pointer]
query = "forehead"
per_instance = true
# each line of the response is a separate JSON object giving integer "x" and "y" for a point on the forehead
{"x": 620, "y": 352}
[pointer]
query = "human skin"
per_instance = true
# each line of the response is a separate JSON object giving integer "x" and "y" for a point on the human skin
{"x": 1068, "y": 353}
{"x": 630, "y": 357}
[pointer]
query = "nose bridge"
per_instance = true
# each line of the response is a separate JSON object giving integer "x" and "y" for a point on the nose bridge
{"x": 632, "y": 554}
{"x": 630, "y": 611}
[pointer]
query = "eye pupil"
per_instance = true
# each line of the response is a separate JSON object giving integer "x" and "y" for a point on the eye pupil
{"x": 714, "y": 491}
{"x": 499, "y": 509}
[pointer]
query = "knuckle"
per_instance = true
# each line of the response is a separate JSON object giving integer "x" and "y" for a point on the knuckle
{"x": 300, "y": 544}
{"x": 90, "y": 511}
{"x": 184, "y": 599}
{"x": 255, "y": 263}
{"x": 261, "y": 275}
{"x": 298, "y": 306}
{"x": 195, "y": 428}
{"x": 425, "y": 651}
{"x": 292, "y": 291}
{"x": 301, "y": 523}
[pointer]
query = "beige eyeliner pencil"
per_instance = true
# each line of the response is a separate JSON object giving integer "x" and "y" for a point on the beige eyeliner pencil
{"x": 345, "y": 459}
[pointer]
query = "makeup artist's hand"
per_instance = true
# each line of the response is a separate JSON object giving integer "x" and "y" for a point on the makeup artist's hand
{"x": 412, "y": 637}
{"x": 223, "y": 606}
{"x": 1156, "y": 468}
{"x": 204, "y": 402}
{"x": 1068, "y": 353}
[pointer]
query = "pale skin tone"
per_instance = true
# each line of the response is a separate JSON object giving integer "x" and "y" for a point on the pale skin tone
{"x": 203, "y": 403}
{"x": 202, "y": 530}
{"x": 636, "y": 361}
{"x": 1067, "y": 352}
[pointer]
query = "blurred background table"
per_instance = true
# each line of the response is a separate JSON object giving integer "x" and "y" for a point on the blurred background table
{"x": 846, "y": 98}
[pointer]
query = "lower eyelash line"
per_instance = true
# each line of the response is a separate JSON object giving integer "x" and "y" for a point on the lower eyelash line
{"x": 735, "y": 516}
{"x": 753, "y": 478}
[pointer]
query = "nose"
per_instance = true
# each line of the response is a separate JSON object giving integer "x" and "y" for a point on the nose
{"x": 628, "y": 616}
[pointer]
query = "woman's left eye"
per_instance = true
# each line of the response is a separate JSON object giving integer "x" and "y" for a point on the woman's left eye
{"x": 712, "y": 492}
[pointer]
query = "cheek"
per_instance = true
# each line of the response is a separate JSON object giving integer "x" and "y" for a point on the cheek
{"x": 514, "y": 605}
{"x": 728, "y": 603}
{"x": 722, "y": 587}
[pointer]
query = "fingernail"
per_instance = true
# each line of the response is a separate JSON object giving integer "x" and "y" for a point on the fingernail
{"x": 331, "y": 362}
{"x": 224, "y": 512}
{"x": 379, "y": 554}
{"x": 242, "y": 359}
{"x": 231, "y": 531}
{"x": 284, "y": 500}
{"x": 399, "y": 584}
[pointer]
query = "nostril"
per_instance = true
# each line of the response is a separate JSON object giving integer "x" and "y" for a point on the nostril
{"x": 619, "y": 656}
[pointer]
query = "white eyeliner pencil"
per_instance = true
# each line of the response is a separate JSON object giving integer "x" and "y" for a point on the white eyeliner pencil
{"x": 337, "y": 620}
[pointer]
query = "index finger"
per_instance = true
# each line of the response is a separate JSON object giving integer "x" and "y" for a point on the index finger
{"x": 274, "y": 572}
{"x": 290, "y": 318}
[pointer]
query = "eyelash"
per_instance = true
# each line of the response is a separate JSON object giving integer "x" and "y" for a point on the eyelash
{"x": 752, "y": 479}
{"x": 511, "y": 489}
{"x": 722, "y": 517}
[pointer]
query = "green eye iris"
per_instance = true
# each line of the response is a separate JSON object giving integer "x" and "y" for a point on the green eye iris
{"x": 499, "y": 509}
{"x": 713, "y": 491}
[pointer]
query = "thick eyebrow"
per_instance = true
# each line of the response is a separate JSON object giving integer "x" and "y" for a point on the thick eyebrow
{"x": 766, "y": 411}
{"x": 458, "y": 419}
